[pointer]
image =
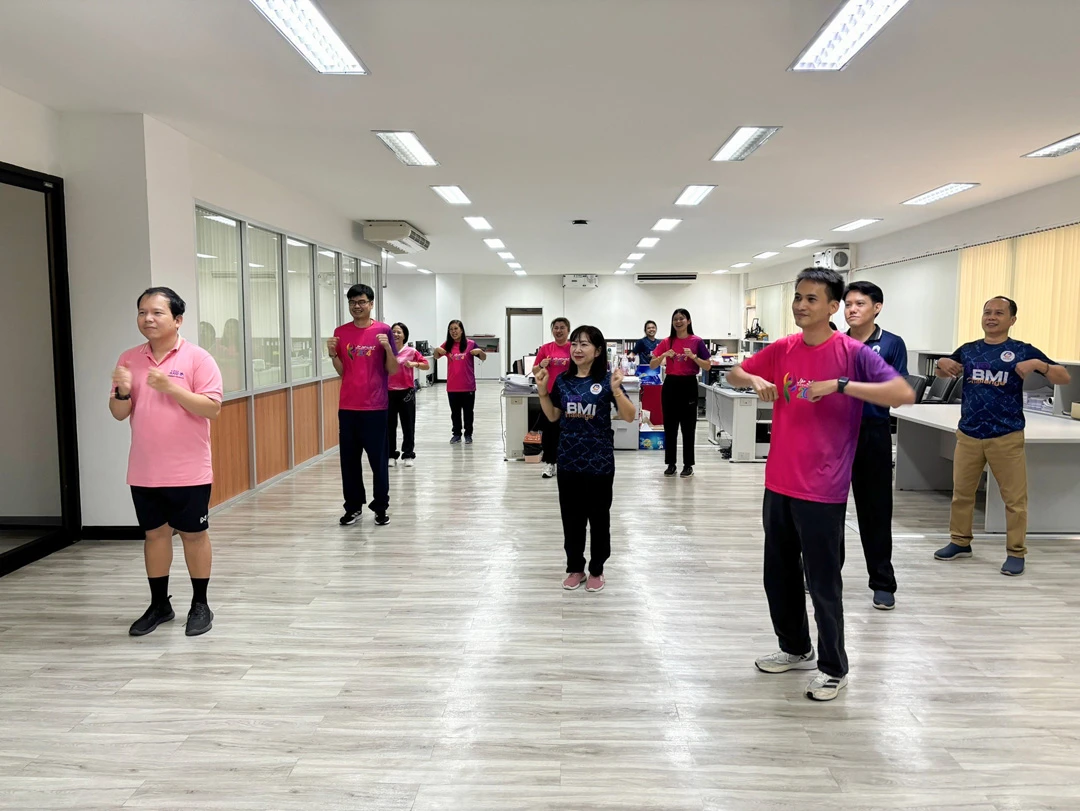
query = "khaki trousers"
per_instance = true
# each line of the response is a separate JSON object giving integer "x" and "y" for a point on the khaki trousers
{"x": 1008, "y": 463}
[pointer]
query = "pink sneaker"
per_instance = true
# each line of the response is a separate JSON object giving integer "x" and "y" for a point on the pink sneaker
{"x": 594, "y": 583}
{"x": 573, "y": 580}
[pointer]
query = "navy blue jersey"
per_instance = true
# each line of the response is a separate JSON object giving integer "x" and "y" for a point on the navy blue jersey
{"x": 586, "y": 441}
{"x": 894, "y": 352}
{"x": 993, "y": 398}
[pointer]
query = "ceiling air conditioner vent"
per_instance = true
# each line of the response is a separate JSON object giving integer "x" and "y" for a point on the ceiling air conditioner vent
{"x": 395, "y": 236}
{"x": 664, "y": 278}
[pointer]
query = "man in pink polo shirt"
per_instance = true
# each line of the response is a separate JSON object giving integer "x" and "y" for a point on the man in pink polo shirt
{"x": 171, "y": 389}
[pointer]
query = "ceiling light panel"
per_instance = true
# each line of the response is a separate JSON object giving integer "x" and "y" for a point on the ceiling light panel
{"x": 478, "y": 223}
{"x": 846, "y": 33}
{"x": 307, "y": 30}
{"x": 452, "y": 194}
{"x": 407, "y": 264}
{"x": 513, "y": 265}
{"x": 802, "y": 243}
{"x": 940, "y": 193}
{"x": 648, "y": 242}
{"x": 744, "y": 141}
{"x": 626, "y": 266}
{"x": 1058, "y": 149}
{"x": 720, "y": 271}
{"x": 423, "y": 270}
{"x": 767, "y": 254}
{"x": 855, "y": 224}
{"x": 693, "y": 195}
{"x": 407, "y": 147}
{"x": 620, "y": 272}
{"x": 506, "y": 255}
{"x": 666, "y": 224}
{"x": 742, "y": 264}
{"x": 495, "y": 244}
{"x": 520, "y": 273}
{"x": 634, "y": 257}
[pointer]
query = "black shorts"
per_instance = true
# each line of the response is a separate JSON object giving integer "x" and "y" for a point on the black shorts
{"x": 185, "y": 509}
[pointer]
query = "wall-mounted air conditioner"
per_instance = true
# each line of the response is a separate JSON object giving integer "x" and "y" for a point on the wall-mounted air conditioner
{"x": 395, "y": 236}
{"x": 664, "y": 278}
{"x": 840, "y": 258}
{"x": 581, "y": 281}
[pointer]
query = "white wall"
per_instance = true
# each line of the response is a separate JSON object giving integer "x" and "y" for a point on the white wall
{"x": 30, "y": 464}
{"x": 29, "y": 134}
{"x": 411, "y": 300}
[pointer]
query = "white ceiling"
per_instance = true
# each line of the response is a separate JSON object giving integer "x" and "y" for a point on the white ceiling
{"x": 548, "y": 110}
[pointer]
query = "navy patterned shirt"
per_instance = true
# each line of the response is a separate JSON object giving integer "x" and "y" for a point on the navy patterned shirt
{"x": 586, "y": 442}
{"x": 993, "y": 396}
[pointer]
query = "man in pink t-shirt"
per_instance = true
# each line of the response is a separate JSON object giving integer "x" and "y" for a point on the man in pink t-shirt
{"x": 169, "y": 390}
{"x": 555, "y": 357}
{"x": 818, "y": 381}
{"x": 363, "y": 354}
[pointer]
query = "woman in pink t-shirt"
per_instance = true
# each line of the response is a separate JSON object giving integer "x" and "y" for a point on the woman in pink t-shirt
{"x": 555, "y": 357}
{"x": 403, "y": 397}
{"x": 684, "y": 355}
{"x": 460, "y": 378}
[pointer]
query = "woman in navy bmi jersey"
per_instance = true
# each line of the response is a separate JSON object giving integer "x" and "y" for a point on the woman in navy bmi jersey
{"x": 581, "y": 400}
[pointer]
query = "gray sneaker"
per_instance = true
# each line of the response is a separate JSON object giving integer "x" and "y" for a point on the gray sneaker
{"x": 952, "y": 551}
{"x": 824, "y": 687}
{"x": 781, "y": 662}
{"x": 1013, "y": 566}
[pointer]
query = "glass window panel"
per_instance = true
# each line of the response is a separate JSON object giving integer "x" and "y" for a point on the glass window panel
{"x": 264, "y": 271}
{"x": 370, "y": 277}
{"x": 349, "y": 277}
{"x": 299, "y": 275}
{"x": 220, "y": 294}
{"x": 326, "y": 269}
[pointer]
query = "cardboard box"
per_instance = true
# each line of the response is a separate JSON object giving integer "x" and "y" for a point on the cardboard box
{"x": 651, "y": 438}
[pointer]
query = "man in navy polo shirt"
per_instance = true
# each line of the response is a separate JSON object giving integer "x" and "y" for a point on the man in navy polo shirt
{"x": 992, "y": 428}
{"x": 871, "y": 473}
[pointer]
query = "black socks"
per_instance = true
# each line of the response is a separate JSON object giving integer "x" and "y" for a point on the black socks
{"x": 159, "y": 590}
{"x": 198, "y": 590}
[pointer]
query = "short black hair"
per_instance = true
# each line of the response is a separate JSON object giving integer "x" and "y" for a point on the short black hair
{"x": 1012, "y": 304}
{"x": 834, "y": 285}
{"x": 598, "y": 368}
{"x": 404, "y": 330}
{"x": 646, "y": 327}
{"x": 358, "y": 290}
{"x": 562, "y": 318}
{"x": 868, "y": 289}
{"x": 176, "y": 304}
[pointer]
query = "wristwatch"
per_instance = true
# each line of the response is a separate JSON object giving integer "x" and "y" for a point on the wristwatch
{"x": 841, "y": 384}
{"x": 119, "y": 396}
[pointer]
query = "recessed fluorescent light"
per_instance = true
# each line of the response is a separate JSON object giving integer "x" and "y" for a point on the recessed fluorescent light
{"x": 307, "y": 30}
{"x": 330, "y": 255}
{"x": 495, "y": 244}
{"x": 1058, "y": 149}
{"x": 851, "y": 226}
{"x": 520, "y": 273}
{"x": 851, "y": 28}
{"x": 940, "y": 193}
{"x": 505, "y": 255}
{"x": 205, "y": 256}
{"x": 514, "y": 265}
{"x": 452, "y": 194}
{"x": 634, "y": 257}
{"x": 407, "y": 147}
{"x": 626, "y": 266}
{"x": 766, "y": 254}
{"x": 802, "y": 243}
{"x": 742, "y": 264}
{"x": 423, "y": 270}
{"x": 478, "y": 223}
{"x": 220, "y": 219}
{"x": 648, "y": 242}
{"x": 742, "y": 142}
{"x": 692, "y": 195}
{"x": 407, "y": 264}
{"x": 620, "y": 272}
{"x": 295, "y": 243}
{"x": 253, "y": 265}
{"x": 720, "y": 271}
{"x": 666, "y": 225}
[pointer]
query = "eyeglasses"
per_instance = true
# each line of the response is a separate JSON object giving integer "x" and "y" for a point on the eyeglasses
{"x": 358, "y": 302}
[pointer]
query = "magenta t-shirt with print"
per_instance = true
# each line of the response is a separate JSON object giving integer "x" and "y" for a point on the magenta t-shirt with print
{"x": 558, "y": 358}
{"x": 460, "y": 367}
{"x": 403, "y": 379}
{"x": 364, "y": 382}
{"x": 680, "y": 364}
{"x": 813, "y": 444}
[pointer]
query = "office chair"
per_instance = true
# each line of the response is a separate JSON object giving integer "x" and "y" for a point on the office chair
{"x": 919, "y": 384}
{"x": 957, "y": 393}
{"x": 940, "y": 390}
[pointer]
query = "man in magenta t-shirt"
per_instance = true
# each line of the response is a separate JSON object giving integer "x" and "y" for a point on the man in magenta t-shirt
{"x": 555, "y": 357}
{"x": 818, "y": 381}
{"x": 364, "y": 356}
{"x": 169, "y": 389}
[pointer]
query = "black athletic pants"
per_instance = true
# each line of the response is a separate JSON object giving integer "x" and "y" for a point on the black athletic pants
{"x": 361, "y": 432}
{"x": 549, "y": 440}
{"x": 403, "y": 405}
{"x": 585, "y": 499}
{"x": 871, "y": 483}
{"x": 462, "y": 404}
{"x": 679, "y": 398}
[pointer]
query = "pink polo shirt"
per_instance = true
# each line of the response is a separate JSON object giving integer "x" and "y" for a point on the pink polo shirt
{"x": 170, "y": 446}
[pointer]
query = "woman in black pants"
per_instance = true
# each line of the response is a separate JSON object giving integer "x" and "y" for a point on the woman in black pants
{"x": 684, "y": 355}
{"x": 460, "y": 379}
{"x": 403, "y": 397}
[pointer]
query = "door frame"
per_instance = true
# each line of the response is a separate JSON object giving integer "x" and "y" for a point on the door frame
{"x": 68, "y": 531}
{"x": 512, "y": 311}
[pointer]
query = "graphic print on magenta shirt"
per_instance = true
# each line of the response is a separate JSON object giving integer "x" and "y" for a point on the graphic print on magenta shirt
{"x": 460, "y": 367}
{"x": 680, "y": 364}
{"x": 404, "y": 379}
{"x": 364, "y": 379}
{"x": 813, "y": 444}
{"x": 558, "y": 358}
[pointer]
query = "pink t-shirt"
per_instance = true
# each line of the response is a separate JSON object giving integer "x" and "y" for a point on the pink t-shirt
{"x": 170, "y": 446}
{"x": 460, "y": 367}
{"x": 680, "y": 364}
{"x": 559, "y": 360}
{"x": 364, "y": 382}
{"x": 404, "y": 379}
{"x": 813, "y": 444}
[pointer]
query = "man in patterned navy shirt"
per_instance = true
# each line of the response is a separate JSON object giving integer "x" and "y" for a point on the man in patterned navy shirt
{"x": 992, "y": 428}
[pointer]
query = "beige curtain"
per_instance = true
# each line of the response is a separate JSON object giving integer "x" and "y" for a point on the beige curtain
{"x": 1047, "y": 291}
{"x": 788, "y": 296}
{"x": 985, "y": 271}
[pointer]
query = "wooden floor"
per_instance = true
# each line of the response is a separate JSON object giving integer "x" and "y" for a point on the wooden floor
{"x": 435, "y": 663}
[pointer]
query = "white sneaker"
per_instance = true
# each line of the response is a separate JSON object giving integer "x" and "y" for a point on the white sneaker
{"x": 549, "y": 471}
{"x": 393, "y": 462}
{"x": 781, "y": 662}
{"x": 824, "y": 687}
{"x": 409, "y": 463}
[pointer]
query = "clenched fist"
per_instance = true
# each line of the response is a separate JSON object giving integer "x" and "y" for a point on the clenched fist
{"x": 384, "y": 340}
{"x": 158, "y": 380}
{"x": 331, "y": 346}
{"x": 121, "y": 378}
{"x": 616, "y": 379}
{"x": 541, "y": 376}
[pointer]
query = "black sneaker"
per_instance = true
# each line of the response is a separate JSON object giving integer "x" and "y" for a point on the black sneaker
{"x": 350, "y": 518}
{"x": 151, "y": 619}
{"x": 687, "y": 472}
{"x": 468, "y": 440}
{"x": 382, "y": 519}
{"x": 200, "y": 619}
{"x": 670, "y": 470}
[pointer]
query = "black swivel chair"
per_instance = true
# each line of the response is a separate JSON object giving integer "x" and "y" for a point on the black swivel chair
{"x": 919, "y": 384}
{"x": 957, "y": 393}
{"x": 940, "y": 390}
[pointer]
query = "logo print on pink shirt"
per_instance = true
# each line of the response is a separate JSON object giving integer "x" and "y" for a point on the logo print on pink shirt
{"x": 355, "y": 351}
{"x": 800, "y": 389}
{"x": 176, "y": 373}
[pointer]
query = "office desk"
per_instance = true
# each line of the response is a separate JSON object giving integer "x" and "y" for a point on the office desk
{"x": 738, "y": 414}
{"x": 926, "y": 443}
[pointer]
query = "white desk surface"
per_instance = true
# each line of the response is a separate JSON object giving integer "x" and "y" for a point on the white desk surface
{"x": 726, "y": 392}
{"x": 1041, "y": 428}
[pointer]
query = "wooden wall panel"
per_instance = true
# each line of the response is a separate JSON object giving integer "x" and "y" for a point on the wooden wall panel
{"x": 271, "y": 434}
{"x": 331, "y": 393}
{"x": 305, "y": 422}
{"x": 231, "y": 451}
